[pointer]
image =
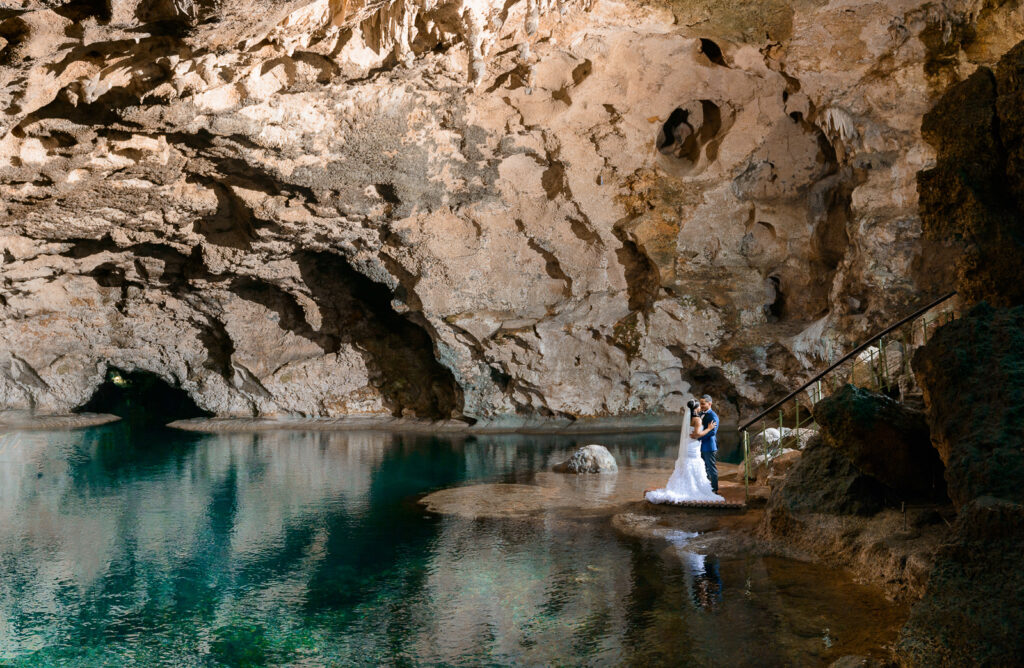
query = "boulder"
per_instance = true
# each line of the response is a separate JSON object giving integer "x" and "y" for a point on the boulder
{"x": 971, "y": 373}
{"x": 970, "y": 614}
{"x": 589, "y": 459}
{"x": 824, "y": 480}
{"x": 972, "y": 376}
{"x": 884, "y": 439}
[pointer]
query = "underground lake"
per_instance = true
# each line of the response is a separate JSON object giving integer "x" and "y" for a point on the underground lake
{"x": 127, "y": 544}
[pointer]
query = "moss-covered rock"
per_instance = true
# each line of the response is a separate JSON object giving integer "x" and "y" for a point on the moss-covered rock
{"x": 884, "y": 439}
{"x": 972, "y": 375}
{"x": 971, "y": 614}
{"x": 824, "y": 480}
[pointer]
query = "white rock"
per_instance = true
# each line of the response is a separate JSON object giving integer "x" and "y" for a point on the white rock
{"x": 589, "y": 459}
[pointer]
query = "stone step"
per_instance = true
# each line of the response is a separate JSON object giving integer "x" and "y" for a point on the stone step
{"x": 914, "y": 400}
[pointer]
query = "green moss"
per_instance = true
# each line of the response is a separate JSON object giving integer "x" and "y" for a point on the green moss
{"x": 626, "y": 335}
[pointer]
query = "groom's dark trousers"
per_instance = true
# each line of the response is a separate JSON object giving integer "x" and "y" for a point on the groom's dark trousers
{"x": 711, "y": 466}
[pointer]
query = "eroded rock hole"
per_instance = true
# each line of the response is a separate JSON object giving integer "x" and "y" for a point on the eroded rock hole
{"x": 712, "y": 121}
{"x": 581, "y": 72}
{"x": 108, "y": 275}
{"x": 643, "y": 281}
{"x": 776, "y": 307}
{"x": 398, "y": 352}
{"x": 141, "y": 398}
{"x": 713, "y": 52}
{"x": 13, "y": 33}
{"x": 388, "y": 193}
{"x": 80, "y": 10}
{"x": 689, "y": 129}
{"x": 676, "y": 135}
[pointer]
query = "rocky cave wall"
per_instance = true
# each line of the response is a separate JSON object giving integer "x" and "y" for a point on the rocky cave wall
{"x": 466, "y": 208}
{"x": 872, "y": 455}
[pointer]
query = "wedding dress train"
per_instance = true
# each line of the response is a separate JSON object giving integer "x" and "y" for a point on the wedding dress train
{"x": 689, "y": 480}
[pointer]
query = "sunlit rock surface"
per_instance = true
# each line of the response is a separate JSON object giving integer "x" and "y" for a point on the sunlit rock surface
{"x": 589, "y": 459}
{"x": 479, "y": 209}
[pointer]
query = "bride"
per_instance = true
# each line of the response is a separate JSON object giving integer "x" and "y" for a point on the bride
{"x": 689, "y": 480}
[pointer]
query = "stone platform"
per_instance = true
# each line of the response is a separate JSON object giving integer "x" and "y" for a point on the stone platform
{"x": 732, "y": 491}
{"x": 706, "y": 505}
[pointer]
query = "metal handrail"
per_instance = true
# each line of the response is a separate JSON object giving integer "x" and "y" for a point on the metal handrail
{"x": 853, "y": 353}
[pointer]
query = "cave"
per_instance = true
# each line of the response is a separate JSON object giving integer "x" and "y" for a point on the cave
{"x": 713, "y": 52}
{"x": 141, "y": 398}
{"x": 776, "y": 310}
{"x": 409, "y": 250}
{"x": 398, "y": 352}
{"x": 676, "y": 135}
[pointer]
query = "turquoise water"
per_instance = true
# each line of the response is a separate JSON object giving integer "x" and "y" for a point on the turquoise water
{"x": 122, "y": 546}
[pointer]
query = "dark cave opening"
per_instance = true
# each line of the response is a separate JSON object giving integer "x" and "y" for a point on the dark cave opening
{"x": 398, "y": 352}
{"x": 676, "y": 135}
{"x": 776, "y": 310}
{"x": 141, "y": 398}
{"x": 713, "y": 52}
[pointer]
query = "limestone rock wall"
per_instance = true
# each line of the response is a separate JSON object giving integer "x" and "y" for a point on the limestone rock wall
{"x": 484, "y": 209}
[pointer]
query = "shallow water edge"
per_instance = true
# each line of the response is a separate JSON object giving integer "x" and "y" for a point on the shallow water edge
{"x": 504, "y": 425}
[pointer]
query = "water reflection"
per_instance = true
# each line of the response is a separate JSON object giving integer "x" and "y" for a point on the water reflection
{"x": 156, "y": 547}
{"x": 703, "y": 578}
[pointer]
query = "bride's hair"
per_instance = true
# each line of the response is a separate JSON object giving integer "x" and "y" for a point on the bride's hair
{"x": 692, "y": 405}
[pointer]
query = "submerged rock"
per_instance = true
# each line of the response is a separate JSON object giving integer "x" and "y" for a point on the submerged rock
{"x": 589, "y": 459}
{"x": 884, "y": 439}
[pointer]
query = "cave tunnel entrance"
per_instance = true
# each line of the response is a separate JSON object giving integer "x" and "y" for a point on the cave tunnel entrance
{"x": 398, "y": 351}
{"x": 141, "y": 398}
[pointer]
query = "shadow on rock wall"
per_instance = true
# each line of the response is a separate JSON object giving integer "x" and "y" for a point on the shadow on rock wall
{"x": 972, "y": 374}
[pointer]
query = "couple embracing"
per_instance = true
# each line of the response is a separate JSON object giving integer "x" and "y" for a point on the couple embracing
{"x": 695, "y": 477}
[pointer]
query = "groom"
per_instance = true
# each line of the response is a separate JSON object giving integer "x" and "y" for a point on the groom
{"x": 708, "y": 443}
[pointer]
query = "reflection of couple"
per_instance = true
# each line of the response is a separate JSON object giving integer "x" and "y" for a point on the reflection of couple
{"x": 695, "y": 477}
{"x": 704, "y": 581}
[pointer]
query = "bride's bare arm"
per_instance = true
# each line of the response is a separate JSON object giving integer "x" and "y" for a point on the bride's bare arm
{"x": 699, "y": 431}
{"x": 695, "y": 425}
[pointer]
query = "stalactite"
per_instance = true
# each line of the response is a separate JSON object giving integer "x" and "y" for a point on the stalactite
{"x": 474, "y": 24}
{"x": 406, "y": 34}
{"x": 532, "y": 17}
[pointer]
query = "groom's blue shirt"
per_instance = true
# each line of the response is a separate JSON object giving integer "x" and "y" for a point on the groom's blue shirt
{"x": 708, "y": 443}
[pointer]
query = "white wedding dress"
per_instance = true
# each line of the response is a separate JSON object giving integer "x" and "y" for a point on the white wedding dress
{"x": 689, "y": 480}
